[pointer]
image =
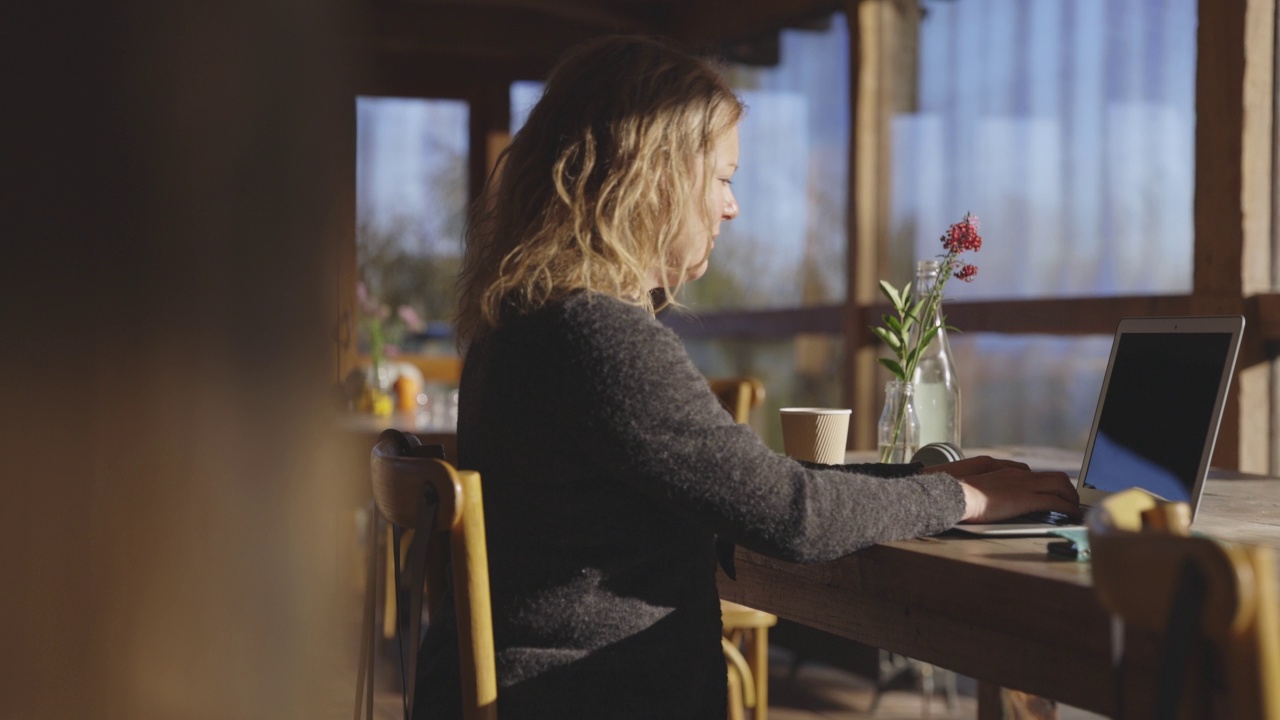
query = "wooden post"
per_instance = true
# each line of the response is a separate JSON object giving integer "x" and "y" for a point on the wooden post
{"x": 882, "y": 77}
{"x": 861, "y": 258}
{"x": 346, "y": 317}
{"x": 1233, "y": 201}
{"x": 489, "y": 132}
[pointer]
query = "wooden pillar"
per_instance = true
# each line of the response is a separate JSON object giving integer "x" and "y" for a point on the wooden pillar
{"x": 344, "y": 254}
{"x": 1273, "y": 428}
{"x": 489, "y": 132}
{"x": 861, "y": 258}
{"x": 882, "y": 77}
{"x": 859, "y": 368}
{"x": 1233, "y": 202}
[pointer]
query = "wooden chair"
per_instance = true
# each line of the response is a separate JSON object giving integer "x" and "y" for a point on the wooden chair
{"x": 391, "y": 597}
{"x": 738, "y": 395}
{"x": 1211, "y": 607}
{"x": 443, "y": 509}
{"x": 746, "y": 630}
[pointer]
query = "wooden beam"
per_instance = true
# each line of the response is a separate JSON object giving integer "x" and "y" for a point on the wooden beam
{"x": 1262, "y": 313}
{"x": 716, "y": 22}
{"x": 1049, "y": 316}
{"x": 342, "y": 247}
{"x": 471, "y": 32}
{"x": 878, "y": 30}
{"x": 760, "y": 51}
{"x": 489, "y": 133}
{"x": 1233, "y": 174}
{"x": 1061, "y": 316}
{"x": 1233, "y": 151}
{"x": 442, "y": 49}
{"x": 861, "y": 257}
{"x": 761, "y": 325}
{"x": 595, "y": 14}
{"x": 1046, "y": 316}
{"x": 439, "y": 75}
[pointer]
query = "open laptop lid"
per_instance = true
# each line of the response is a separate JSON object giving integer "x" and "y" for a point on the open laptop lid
{"x": 1160, "y": 407}
{"x": 1158, "y": 413}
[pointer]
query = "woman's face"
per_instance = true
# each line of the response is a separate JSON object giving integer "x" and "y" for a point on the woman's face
{"x": 709, "y": 206}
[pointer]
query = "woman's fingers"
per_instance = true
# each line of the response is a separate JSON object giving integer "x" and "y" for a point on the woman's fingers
{"x": 1066, "y": 507}
{"x": 1055, "y": 483}
{"x": 977, "y": 465}
{"x": 1009, "y": 492}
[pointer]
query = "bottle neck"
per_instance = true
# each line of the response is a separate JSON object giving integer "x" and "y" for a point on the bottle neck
{"x": 926, "y": 278}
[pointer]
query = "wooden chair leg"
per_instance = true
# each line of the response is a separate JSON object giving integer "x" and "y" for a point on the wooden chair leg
{"x": 742, "y": 687}
{"x": 758, "y": 660}
{"x": 736, "y": 711}
{"x": 389, "y": 589}
{"x": 364, "y": 672}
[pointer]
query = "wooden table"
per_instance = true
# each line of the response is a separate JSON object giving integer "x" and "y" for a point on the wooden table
{"x": 998, "y": 610}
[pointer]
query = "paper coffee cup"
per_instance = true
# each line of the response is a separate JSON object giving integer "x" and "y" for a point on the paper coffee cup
{"x": 815, "y": 434}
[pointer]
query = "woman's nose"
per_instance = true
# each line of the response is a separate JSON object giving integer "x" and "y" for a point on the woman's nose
{"x": 730, "y": 207}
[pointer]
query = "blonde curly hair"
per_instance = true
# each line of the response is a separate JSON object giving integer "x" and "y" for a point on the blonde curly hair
{"x": 592, "y": 191}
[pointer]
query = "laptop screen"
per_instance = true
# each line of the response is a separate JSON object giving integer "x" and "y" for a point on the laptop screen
{"x": 1156, "y": 415}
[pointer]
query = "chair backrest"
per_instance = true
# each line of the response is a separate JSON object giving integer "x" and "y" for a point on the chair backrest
{"x": 738, "y": 395}
{"x": 444, "y": 509}
{"x": 1211, "y": 605}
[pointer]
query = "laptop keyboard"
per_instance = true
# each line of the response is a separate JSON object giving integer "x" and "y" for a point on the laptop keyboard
{"x": 1043, "y": 517}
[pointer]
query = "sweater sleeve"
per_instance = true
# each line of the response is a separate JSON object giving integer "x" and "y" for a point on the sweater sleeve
{"x": 644, "y": 414}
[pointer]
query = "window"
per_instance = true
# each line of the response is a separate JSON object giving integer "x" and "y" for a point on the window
{"x": 411, "y": 186}
{"x": 787, "y": 247}
{"x": 1068, "y": 128}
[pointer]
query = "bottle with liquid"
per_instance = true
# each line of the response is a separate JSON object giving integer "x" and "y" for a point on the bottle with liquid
{"x": 899, "y": 429}
{"x": 937, "y": 389}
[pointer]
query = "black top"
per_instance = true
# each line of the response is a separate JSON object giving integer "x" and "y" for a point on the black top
{"x": 608, "y": 469}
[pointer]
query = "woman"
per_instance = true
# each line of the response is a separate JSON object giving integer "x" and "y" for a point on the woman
{"x": 609, "y": 468}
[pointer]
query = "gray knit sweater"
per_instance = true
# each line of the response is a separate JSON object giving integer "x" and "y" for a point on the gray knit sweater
{"x": 608, "y": 469}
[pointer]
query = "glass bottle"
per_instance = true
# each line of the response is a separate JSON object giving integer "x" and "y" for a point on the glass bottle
{"x": 899, "y": 429}
{"x": 937, "y": 389}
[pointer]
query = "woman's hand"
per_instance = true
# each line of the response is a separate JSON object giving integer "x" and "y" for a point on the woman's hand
{"x": 961, "y": 469}
{"x": 1001, "y": 489}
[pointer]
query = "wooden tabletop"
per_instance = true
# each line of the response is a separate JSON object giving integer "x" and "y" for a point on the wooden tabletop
{"x": 997, "y": 609}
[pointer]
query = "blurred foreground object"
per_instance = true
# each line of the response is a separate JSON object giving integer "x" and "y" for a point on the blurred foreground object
{"x": 1211, "y": 604}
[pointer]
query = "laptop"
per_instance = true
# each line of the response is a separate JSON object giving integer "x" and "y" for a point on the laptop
{"x": 1158, "y": 413}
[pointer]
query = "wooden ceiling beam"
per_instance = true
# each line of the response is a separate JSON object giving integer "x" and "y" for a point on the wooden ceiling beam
{"x": 443, "y": 49}
{"x": 719, "y": 22}
{"x": 439, "y": 75}
{"x": 591, "y": 14}
{"x": 523, "y": 34}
